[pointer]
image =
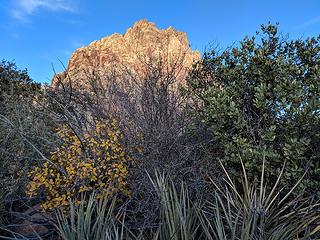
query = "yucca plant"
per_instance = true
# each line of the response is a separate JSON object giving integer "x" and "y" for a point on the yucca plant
{"x": 97, "y": 219}
{"x": 248, "y": 212}
{"x": 92, "y": 219}
{"x": 259, "y": 212}
{"x": 178, "y": 214}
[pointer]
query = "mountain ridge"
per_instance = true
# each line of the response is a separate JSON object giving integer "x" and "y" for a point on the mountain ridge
{"x": 140, "y": 45}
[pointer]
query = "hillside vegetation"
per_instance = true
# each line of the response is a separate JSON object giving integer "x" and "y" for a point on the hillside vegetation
{"x": 232, "y": 152}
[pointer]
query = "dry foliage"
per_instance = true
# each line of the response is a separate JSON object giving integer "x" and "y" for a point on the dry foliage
{"x": 98, "y": 162}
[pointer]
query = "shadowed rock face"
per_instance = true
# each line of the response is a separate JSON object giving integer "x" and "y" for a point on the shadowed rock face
{"x": 132, "y": 52}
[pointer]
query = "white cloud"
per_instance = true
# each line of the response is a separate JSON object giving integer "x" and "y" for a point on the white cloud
{"x": 310, "y": 22}
{"x": 24, "y": 8}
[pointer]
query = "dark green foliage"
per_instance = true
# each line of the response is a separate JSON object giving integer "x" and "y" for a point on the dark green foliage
{"x": 263, "y": 96}
{"x": 14, "y": 83}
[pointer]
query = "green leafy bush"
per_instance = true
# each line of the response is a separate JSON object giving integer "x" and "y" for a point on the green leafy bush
{"x": 264, "y": 96}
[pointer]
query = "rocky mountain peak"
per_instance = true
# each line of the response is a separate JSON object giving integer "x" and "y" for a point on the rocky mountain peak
{"x": 129, "y": 52}
{"x": 144, "y": 24}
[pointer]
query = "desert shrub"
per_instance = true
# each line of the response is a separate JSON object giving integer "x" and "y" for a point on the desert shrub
{"x": 95, "y": 162}
{"x": 24, "y": 132}
{"x": 14, "y": 83}
{"x": 262, "y": 95}
{"x": 154, "y": 118}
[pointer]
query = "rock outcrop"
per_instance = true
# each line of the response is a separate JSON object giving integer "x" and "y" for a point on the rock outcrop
{"x": 133, "y": 52}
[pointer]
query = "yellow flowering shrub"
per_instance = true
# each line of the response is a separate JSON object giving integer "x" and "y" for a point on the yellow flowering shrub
{"x": 98, "y": 162}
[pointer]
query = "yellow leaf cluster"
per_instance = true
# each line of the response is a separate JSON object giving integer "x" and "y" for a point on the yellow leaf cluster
{"x": 96, "y": 162}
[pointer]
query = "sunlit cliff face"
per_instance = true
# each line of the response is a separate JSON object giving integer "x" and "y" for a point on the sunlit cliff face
{"x": 141, "y": 47}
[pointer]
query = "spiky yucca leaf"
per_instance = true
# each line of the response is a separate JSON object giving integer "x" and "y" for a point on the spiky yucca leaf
{"x": 94, "y": 219}
{"x": 178, "y": 214}
{"x": 255, "y": 212}
{"x": 248, "y": 212}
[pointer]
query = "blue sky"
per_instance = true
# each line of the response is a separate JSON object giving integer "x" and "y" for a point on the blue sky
{"x": 37, "y": 34}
